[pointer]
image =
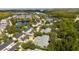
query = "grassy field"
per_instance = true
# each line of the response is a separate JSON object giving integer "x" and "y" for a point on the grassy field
{"x": 4, "y": 15}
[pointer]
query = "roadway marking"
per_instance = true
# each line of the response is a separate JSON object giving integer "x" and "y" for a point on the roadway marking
{"x": 9, "y": 46}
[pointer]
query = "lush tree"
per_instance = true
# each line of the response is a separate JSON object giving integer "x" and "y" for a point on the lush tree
{"x": 67, "y": 36}
{"x": 3, "y": 38}
{"x": 28, "y": 45}
{"x": 37, "y": 34}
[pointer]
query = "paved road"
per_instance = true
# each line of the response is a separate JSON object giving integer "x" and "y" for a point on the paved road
{"x": 6, "y": 44}
{"x": 9, "y": 46}
{"x": 14, "y": 47}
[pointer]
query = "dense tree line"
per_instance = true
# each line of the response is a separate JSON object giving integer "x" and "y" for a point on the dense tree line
{"x": 66, "y": 38}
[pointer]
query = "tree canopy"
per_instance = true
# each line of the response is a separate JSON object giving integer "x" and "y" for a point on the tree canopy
{"x": 67, "y": 38}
